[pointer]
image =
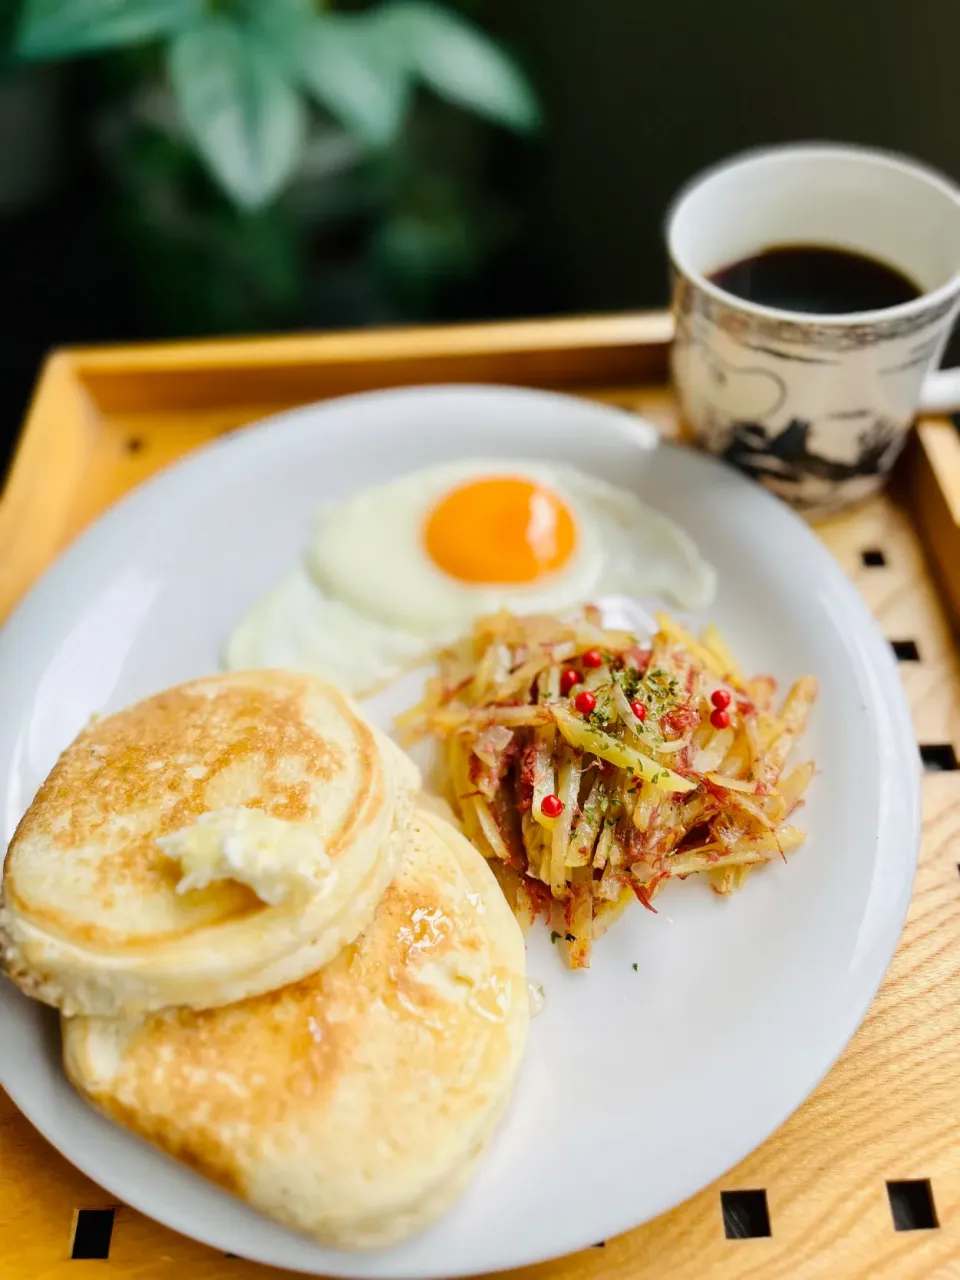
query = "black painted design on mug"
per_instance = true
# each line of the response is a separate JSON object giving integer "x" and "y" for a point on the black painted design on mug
{"x": 751, "y": 387}
{"x": 786, "y": 462}
{"x": 918, "y": 357}
{"x": 788, "y": 355}
{"x": 745, "y": 389}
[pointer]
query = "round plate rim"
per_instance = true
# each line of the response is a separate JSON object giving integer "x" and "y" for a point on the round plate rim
{"x": 900, "y": 761}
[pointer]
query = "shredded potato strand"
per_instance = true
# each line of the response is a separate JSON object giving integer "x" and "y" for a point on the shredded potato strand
{"x": 643, "y": 799}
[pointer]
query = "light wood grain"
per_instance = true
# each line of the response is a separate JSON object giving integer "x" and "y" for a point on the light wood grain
{"x": 47, "y": 469}
{"x": 933, "y": 476}
{"x": 296, "y": 369}
{"x": 890, "y": 1108}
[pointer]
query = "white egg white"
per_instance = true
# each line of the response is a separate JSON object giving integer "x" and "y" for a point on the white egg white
{"x": 369, "y": 599}
{"x": 295, "y": 627}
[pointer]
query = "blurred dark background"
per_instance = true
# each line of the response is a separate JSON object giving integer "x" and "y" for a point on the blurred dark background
{"x": 112, "y": 228}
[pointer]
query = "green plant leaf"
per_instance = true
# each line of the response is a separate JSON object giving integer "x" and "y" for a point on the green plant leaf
{"x": 63, "y": 28}
{"x": 459, "y": 62}
{"x": 281, "y": 24}
{"x": 254, "y": 10}
{"x": 351, "y": 71}
{"x": 246, "y": 120}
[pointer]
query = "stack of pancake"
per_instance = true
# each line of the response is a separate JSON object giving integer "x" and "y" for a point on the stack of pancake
{"x": 271, "y": 960}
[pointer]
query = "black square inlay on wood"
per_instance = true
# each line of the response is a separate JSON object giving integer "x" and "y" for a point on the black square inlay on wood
{"x": 911, "y": 1204}
{"x": 938, "y": 757}
{"x": 745, "y": 1214}
{"x": 91, "y": 1233}
{"x": 906, "y": 650}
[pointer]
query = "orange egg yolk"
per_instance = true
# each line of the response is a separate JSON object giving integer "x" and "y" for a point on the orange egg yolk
{"x": 500, "y": 530}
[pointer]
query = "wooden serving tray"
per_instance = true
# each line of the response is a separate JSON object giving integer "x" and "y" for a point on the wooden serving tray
{"x": 864, "y": 1180}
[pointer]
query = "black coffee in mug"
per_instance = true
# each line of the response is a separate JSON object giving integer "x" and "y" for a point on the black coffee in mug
{"x": 816, "y": 279}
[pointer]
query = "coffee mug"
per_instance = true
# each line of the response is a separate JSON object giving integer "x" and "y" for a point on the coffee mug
{"x": 814, "y": 406}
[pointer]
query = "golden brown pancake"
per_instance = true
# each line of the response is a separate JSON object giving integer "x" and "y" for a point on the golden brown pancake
{"x": 354, "y": 1104}
{"x": 230, "y": 784}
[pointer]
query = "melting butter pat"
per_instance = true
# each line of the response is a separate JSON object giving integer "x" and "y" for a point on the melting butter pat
{"x": 280, "y": 861}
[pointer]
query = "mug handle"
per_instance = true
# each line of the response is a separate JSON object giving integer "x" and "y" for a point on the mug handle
{"x": 940, "y": 392}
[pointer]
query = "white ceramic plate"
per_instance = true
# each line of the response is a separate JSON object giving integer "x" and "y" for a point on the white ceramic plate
{"x": 641, "y": 1085}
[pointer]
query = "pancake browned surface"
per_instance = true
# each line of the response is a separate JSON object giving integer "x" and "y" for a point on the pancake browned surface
{"x": 238, "y": 779}
{"x": 354, "y": 1104}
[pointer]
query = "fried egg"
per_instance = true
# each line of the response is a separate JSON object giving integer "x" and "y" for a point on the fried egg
{"x": 397, "y": 569}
